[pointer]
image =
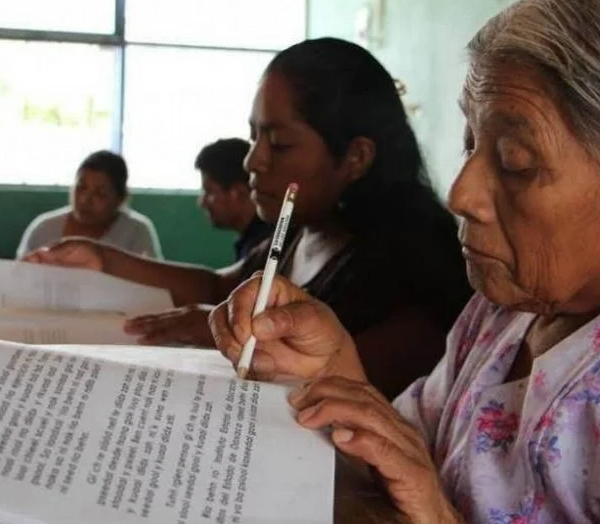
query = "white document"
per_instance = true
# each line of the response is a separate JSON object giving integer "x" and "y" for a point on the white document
{"x": 38, "y": 286}
{"x": 89, "y": 440}
{"x": 42, "y": 304}
{"x": 184, "y": 359}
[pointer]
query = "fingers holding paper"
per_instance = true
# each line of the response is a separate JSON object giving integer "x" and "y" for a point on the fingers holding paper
{"x": 78, "y": 253}
{"x": 185, "y": 325}
{"x": 366, "y": 426}
{"x": 296, "y": 335}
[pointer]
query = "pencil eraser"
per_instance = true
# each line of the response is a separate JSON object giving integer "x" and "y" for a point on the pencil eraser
{"x": 293, "y": 187}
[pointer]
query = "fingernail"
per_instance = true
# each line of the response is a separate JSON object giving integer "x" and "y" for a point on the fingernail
{"x": 263, "y": 364}
{"x": 307, "y": 413}
{"x": 264, "y": 326}
{"x": 342, "y": 435}
{"x": 296, "y": 395}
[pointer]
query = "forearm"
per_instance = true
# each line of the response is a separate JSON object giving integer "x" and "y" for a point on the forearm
{"x": 187, "y": 284}
{"x": 348, "y": 363}
{"x": 436, "y": 513}
{"x": 424, "y": 507}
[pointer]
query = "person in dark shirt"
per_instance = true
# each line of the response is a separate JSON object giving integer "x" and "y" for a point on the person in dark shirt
{"x": 225, "y": 194}
{"x": 371, "y": 238}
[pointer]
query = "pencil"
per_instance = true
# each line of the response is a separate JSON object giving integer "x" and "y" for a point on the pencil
{"x": 268, "y": 275}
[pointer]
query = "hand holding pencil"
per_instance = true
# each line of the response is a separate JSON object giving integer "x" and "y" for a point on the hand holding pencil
{"x": 298, "y": 335}
{"x": 281, "y": 228}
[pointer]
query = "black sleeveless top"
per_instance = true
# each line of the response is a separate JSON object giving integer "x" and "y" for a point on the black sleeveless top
{"x": 371, "y": 278}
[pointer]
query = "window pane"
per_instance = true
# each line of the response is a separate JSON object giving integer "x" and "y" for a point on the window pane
{"x": 55, "y": 107}
{"x": 176, "y": 101}
{"x": 258, "y": 24}
{"x": 81, "y": 16}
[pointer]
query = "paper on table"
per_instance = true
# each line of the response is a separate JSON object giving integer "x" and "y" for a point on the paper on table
{"x": 116, "y": 442}
{"x": 43, "y": 287}
{"x": 53, "y": 305}
{"x": 57, "y": 327}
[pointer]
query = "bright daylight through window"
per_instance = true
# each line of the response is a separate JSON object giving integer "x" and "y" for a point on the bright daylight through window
{"x": 153, "y": 79}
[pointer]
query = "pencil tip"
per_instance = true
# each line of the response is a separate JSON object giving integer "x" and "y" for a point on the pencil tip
{"x": 242, "y": 372}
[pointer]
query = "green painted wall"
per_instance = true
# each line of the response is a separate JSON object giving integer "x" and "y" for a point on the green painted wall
{"x": 423, "y": 44}
{"x": 185, "y": 233}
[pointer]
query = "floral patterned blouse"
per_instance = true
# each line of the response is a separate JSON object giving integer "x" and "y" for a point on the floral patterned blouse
{"x": 525, "y": 451}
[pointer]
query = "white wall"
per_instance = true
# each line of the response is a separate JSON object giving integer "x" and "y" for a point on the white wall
{"x": 423, "y": 45}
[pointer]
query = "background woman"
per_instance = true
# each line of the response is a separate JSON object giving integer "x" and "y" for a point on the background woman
{"x": 96, "y": 211}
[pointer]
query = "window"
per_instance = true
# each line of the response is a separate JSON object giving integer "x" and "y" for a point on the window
{"x": 153, "y": 79}
{"x": 89, "y": 16}
{"x": 217, "y": 23}
{"x": 55, "y": 107}
{"x": 161, "y": 138}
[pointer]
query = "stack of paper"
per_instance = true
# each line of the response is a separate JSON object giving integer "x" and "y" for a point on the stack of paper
{"x": 42, "y": 304}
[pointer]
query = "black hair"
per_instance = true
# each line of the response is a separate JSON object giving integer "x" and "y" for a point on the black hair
{"x": 110, "y": 163}
{"x": 343, "y": 92}
{"x": 223, "y": 161}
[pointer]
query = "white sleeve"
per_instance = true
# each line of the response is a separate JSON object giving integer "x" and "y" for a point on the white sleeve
{"x": 28, "y": 241}
{"x": 24, "y": 248}
{"x": 146, "y": 241}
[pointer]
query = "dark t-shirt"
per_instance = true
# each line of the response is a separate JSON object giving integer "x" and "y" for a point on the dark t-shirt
{"x": 367, "y": 279}
{"x": 388, "y": 276}
{"x": 254, "y": 234}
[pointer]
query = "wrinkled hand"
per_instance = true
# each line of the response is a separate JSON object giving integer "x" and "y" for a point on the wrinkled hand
{"x": 185, "y": 325}
{"x": 364, "y": 425}
{"x": 296, "y": 336}
{"x": 78, "y": 253}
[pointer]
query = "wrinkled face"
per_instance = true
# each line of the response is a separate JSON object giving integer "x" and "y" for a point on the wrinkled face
{"x": 285, "y": 149}
{"x": 221, "y": 205}
{"x": 528, "y": 195}
{"x": 94, "y": 199}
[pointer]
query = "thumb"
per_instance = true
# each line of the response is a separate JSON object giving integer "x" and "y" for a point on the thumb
{"x": 33, "y": 257}
{"x": 309, "y": 325}
{"x": 42, "y": 256}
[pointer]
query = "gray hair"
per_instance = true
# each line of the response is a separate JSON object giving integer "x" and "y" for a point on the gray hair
{"x": 561, "y": 39}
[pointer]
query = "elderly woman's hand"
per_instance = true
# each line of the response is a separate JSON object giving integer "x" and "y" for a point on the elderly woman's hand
{"x": 76, "y": 252}
{"x": 364, "y": 425}
{"x": 185, "y": 325}
{"x": 296, "y": 336}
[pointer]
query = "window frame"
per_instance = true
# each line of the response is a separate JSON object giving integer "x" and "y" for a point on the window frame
{"x": 119, "y": 43}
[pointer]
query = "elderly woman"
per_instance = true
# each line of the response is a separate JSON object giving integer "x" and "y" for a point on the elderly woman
{"x": 507, "y": 427}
